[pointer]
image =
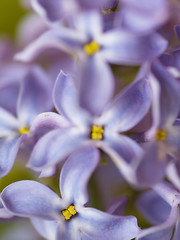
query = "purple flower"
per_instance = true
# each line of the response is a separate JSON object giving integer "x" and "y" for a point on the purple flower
{"x": 34, "y": 98}
{"x": 160, "y": 207}
{"x": 164, "y": 134}
{"x": 143, "y": 16}
{"x": 124, "y": 112}
{"x": 95, "y": 49}
{"x": 56, "y": 10}
{"x": 32, "y": 199}
{"x": 11, "y": 74}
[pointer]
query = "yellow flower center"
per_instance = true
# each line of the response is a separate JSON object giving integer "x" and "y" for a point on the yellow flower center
{"x": 160, "y": 135}
{"x": 97, "y": 132}
{"x": 24, "y": 130}
{"x": 69, "y": 212}
{"x": 91, "y": 48}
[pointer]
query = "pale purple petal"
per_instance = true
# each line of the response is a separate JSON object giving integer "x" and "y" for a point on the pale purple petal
{"x": 153, "y": 207}
{"x": 31, "y": 199}
{"x": 8, "y": 123}
{"x": 45, "y": 228}
{"x": 163, "y": 231}
{"x": 172, "y": 173}
{"x": 117, "y": 206}
{"x": 177, "y": 31}
{"x": 127, "y": 148}
{"x": 50, "y": 10}
{"x": 92, "y": 4}
{"x": 150, "y": 169}
{"x": 96, "y": 224}
{"x": 6, "y": 90}
{"x": 60, "y": 39}
{"x": 75, "y": 174}
{"x": 65, "y": 98}
{"x": 35, "y": 95}
{"x": 4, "y": 213}
{"x": 54, "y": 147}
{"x": 167, "y": 191}
{"x": 173, "y": 139}
{"x": 97, "y": 83}
{"x": 123, "y": 151}
{"x": 177, "y": 229}
{"x": 68, "y": 232}
{"x": 47, "y": 121}
{"x": 25, "y": 33}
{"x": 129, "y": 107}
{"x": 89, "y": 23}
{"x": 169, "y": 103}
{"x": 144, "y": 16}
{"x": 9, "y": 147}
{"x": 123, "y": 47}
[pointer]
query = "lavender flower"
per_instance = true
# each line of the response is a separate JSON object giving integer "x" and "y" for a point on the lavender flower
{"x": 34, "y": 97}
{"x": 127, "y": 109}
{"x": 143, "y": 16}
{"x": 32, "y": 199}
{"x": 94, "y": 49}
{"x": 166, "y": 203}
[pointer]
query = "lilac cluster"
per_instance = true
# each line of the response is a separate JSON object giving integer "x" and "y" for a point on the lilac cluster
{"x": 64, "y": 106}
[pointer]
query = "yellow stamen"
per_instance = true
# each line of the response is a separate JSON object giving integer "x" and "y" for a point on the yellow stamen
{"x": 160, "y": 135}
{"x": 91, "y": 48}
{"x": 24, "y": 130}
{"x": 97, "y": 132}
{"x": 69, "y": 212}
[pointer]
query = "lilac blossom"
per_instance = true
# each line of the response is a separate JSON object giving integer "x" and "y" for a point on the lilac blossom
{"x": 172, "y": 57}
{"x": 160, "y": 207}
{"x": 164, "y": 134}
{"x": 143, "y": 16}
{"x": 103, "y": 130}
{"x": 34, "y": 98}
{"x": 95, "y": 49}
{"x": 11, "y": 74}
{"x": 74, "y": 221}
{"x": 57, "y": 10}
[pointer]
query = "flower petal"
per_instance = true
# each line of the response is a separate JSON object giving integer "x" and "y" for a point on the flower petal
{"x": 60, "y": 39}
{"x": 90, "y": 23}
{"x": 47, "y": 121}
{"x": 8, "y": 123}
{"x": 47, "y": 229}
{"x": 51, "y": 10}
{"x": 150, "y": 169}
{"x": 97, "y": 78}
{"x": 117, "y": 206}
{"x": 96, "y": 225}
{"x": 169, "y": 103}
{"x": 129, "y": 107}
{"x": 177, "y": 230}
{"x": 144, "y": 16}
{"x": 127, "y": 148}
{"x": 66, "y": 99}
{"x": 68, "y": 232}
{"x": 177, "y": 31}
{"x": 4, "y": 213}
{"x": 123, "y": 47}
{"x": 9, "y": 147}
{"x": 55, "y": 146}
{"x": 153, "y": 207}
{"x": 163, "y": 231}
{"x": 31, "y": 199}
{"x": 167, "y": 191}
{"x": 35, "y": 95}
{"x": 123, "y": 151}
{"x": 75, "y": 174}
{"x": 92, "y": 4}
